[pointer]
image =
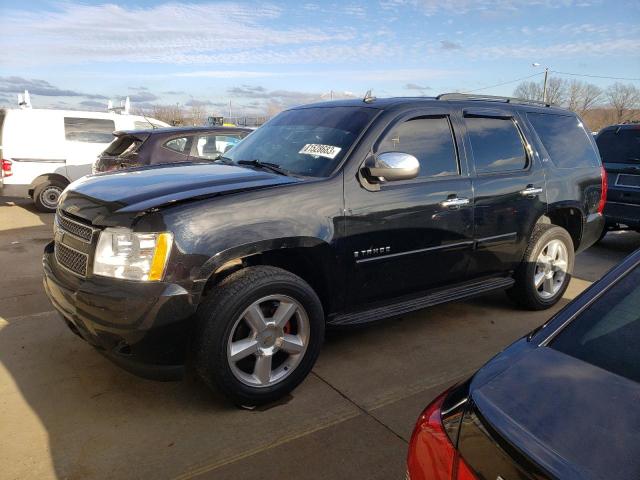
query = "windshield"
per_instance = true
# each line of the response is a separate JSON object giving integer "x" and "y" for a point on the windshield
{"x": 308, "y": 141}
{"x": 620, "y": 147}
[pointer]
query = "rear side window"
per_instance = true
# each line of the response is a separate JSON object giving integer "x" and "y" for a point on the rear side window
{"x": 428, "y": 139}
{"x": 90, "y": 130}
{"x": 496, "y": 144}
{"x": 621, "y": 146}
{"x": 607, "y": 334}
{"x": 565, "y": 140}
{"x": 178, "y": 145}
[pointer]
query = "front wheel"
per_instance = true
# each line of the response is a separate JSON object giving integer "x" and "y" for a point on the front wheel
{"x": 545, "y": 271}
{"x": 47, "y": 194}
{"x": 259, "y": 334}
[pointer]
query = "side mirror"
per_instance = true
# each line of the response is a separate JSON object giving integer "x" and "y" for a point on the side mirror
{"x": 392, "y": 166}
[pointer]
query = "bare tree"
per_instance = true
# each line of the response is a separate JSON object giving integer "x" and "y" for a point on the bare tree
{"x": 556, "y": 90}
{"x": 623, "y": 99}
{"x": 197, "y": 115}
{"x": 582, "y": 96}
{"x": 529, "y": 91}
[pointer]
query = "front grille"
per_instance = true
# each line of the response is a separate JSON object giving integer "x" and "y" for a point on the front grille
{"x": 71, "y": 259}
{"x": 628, "y": 180}
{"x": 76, "y": 229}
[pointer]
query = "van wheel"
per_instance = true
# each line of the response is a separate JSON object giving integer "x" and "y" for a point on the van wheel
{"x": 545, "y": 272}
{"x": 259, "y": 334}
{"x": 47, "y": 194}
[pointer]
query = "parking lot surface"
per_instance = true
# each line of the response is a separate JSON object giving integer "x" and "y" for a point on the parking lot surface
{"x": 66, "y": 412}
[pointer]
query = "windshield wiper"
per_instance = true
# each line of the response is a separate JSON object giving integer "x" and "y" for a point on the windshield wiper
{"x": 274, "y": 167}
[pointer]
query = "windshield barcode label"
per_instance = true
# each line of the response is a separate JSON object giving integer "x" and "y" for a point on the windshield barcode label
{"x": 317, "y": 150}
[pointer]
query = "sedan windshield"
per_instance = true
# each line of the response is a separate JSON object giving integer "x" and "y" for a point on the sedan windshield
{"x": 308, "y": 141}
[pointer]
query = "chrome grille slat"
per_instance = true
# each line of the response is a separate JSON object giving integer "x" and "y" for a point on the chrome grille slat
{"x": 77, "y": 229}
{"x": 71, "y": 259}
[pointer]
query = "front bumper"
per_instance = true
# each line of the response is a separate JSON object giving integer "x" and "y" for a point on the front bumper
{"x": 142, "y": 327}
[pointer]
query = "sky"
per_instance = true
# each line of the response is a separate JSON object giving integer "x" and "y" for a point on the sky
{"x": 260, "y": 55}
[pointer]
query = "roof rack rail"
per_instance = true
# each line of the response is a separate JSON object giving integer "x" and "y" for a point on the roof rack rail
{"x": 490, "y": 98}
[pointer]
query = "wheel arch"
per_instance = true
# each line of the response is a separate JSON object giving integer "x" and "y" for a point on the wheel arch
{"x": 310, "y": 258}
{"x": 569, "y": 217}
{"x": 47, "y": 177}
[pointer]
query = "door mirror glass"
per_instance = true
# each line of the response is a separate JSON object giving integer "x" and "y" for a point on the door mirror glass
{"x": 391, "y": 166}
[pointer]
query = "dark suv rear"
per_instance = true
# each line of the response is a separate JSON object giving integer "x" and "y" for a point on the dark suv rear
{"x": 619, "y": 147}
{"x": 139, "y": 148}
{"x": 338, "y": 213}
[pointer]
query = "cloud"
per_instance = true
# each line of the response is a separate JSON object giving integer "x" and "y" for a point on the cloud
{"x": 414, "y": 86}
{"x": 174, "y": 92}
{"x": 16, "y": 85}
{"x": 92, "y": 104}
{"x": 462, "y": 7}
{"x": 203, "y": 103}
{"x": 283, "y": 98}
{"x": 139, "y": 89}
{"x": 178, "y": 33}
{"x": 448, "y": 45}
{"x": 224, "y": 74}
{"x": 143, "y": 96}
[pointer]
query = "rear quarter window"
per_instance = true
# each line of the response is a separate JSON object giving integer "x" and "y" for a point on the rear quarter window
{"x": 565, "y": 140}
{"x": 607, "y": 333}
{"x": 88, "y": 130}
{"x": 620, "y": 145}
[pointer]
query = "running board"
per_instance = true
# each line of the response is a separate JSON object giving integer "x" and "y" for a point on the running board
{"x": 407, "y": 306}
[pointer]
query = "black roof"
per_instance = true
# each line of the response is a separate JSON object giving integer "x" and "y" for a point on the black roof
{"x": 172, "y": 130}
{"x": 459, "y": 99}
{"x": 622, "y": 126}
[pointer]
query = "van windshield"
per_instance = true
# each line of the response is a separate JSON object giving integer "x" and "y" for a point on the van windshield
{"x": 308, "y": 141}
{"x": 620, "y": 146}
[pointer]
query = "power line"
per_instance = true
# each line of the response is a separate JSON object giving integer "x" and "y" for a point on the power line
{"x": 504, "y": 83}
{"x": 595, "y": 76}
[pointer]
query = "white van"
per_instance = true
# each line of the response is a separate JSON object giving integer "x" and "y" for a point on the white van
{"x": 44, "y": 150}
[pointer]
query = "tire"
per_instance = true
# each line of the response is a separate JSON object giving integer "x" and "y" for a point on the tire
{"x": 534, "y": 264}
{"x": 228, "y": 316}
{"x": 46, "y": 195}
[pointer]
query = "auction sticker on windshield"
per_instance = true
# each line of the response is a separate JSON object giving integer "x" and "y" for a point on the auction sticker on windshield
{"x": 317, "y": 150}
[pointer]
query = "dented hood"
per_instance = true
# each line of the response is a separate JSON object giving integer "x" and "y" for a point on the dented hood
{"x": 138, "y": 190}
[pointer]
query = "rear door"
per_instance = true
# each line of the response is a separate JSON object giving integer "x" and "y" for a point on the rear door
{"x": 509, "y": 189}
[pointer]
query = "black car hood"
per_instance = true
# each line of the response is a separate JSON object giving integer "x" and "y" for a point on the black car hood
{"x": 138, "y": 190}
{"x": 573, "y": 419}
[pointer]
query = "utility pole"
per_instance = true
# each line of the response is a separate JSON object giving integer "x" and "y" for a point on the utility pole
{"x": 544, "y": 88}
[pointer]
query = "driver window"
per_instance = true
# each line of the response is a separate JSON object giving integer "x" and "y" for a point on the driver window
{"x": 430, "y": 140}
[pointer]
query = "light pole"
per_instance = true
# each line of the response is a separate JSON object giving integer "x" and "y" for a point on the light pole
{"x": 544, "y": 87}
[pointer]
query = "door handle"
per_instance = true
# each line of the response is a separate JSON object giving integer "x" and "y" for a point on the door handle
{"x": 531, "y": 191}
{"x": 455, "y": 202}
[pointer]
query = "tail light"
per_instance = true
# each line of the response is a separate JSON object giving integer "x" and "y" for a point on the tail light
{"x": 432, "y": 456}
{"x": 6, "y": 168}
{"x": 603, "y": 189}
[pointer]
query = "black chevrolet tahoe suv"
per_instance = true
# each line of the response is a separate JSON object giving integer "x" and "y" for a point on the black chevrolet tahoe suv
{"x": 336, "y": 213}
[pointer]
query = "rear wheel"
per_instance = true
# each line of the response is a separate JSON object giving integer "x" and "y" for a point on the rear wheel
{"x": 259, "y": 334}
{"x": 546, "y": 269}
{"x": 47, "y": 194}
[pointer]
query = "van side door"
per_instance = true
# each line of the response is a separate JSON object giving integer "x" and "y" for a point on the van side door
{"x": 509, "y": 187}
{"x": 405, "y": 237}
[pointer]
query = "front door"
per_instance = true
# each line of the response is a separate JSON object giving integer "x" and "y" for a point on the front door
{"x": 509, "y": 188}
{"x": 411, "y": 235}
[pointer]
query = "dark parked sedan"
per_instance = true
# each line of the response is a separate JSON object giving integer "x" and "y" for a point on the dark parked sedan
{"x": 138, "y": 148}
{"x": 562, "y": 402}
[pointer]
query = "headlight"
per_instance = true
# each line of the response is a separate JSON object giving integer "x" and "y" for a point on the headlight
{"x": 122, "y": 253}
